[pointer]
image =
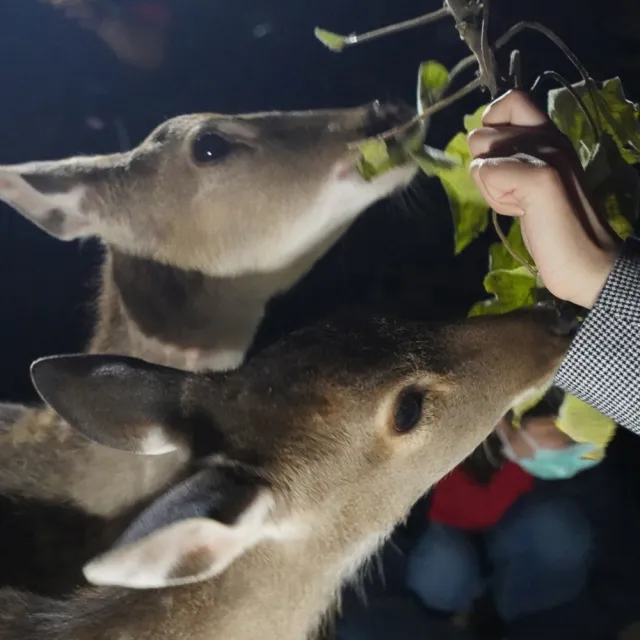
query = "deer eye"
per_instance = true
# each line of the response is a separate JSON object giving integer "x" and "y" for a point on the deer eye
{"x": 210, "y": 147}
{"x": 408, "y": 410}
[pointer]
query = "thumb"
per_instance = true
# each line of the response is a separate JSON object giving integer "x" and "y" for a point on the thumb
{"x": 519, "y": 184}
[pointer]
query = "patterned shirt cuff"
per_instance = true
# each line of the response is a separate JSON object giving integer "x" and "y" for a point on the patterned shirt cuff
{"x": 602, "y": 366}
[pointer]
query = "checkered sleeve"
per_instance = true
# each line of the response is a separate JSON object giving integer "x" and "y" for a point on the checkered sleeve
{"x": 602, "y": 366}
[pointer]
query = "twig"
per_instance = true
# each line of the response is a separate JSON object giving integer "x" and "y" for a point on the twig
{"x": 584, "y": 74}
{"x": 531, "y": 268}
{"x": 472, "y": 27}
{"x": 545, "y": 31}
{"x": 488, "y": 65}
{"x": 513, "y": 31}
{"x": 536, "y": 26}
{"x": 576, "y": 96}
{"x": 466, "y": 14}
{"x": 434, "y": 108}
{"x": 428, "y": 18}
{"x": 461, "y": 66}
{"x": 515, "y": 69}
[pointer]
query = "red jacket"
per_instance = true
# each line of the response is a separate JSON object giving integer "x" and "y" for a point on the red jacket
{"x": 460, "y": 501}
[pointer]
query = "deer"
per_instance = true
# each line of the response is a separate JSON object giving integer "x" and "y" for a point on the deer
{"x": 205, "y": 221}
{"x": 304, "y": 460}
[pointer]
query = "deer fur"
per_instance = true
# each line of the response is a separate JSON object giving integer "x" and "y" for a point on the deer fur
{"x": 195, "y": 248}
{"x": 306, "y": 458}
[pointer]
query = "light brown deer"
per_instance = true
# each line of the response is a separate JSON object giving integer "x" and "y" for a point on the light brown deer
{"x": 307, "y": 457}
{"x": 203, "y": 223}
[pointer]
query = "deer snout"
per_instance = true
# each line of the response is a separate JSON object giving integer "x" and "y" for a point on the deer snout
{"x": 382, "y": 117}
{"x": 539, "y": 337}
{"x": 516, "y": 350}
{"x": 559, "y": 324}
{"x": 549, "y": 325}
{"x": 565, "y": 323}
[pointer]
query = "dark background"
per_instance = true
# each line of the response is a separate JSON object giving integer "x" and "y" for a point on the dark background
{"x": 398, "y": 257}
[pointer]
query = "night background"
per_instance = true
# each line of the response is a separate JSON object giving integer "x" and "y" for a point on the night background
{"x": 64, "y": 92}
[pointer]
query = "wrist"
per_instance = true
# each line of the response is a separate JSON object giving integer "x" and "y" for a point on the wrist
{"x": 595, "y": 279}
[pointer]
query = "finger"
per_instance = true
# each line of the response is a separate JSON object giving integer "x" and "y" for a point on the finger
{"x": 504, "y": 203}
{"x": 514, "y": 108}
{"x": 481, "y": 141}
{"x": 525, "y": 184}
{"x": 523, "y": 181}
{"x": 507, "y": 140}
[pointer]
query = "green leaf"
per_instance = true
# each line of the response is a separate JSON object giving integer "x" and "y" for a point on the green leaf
{"x": 511, "y": 283}
{"x": 474, "y": 121}
{"x": 413, "y": 138}
{"x": 433, "y": 78}
{"x": 617, "y": 116}
{"x": 616, "y": 219}
{"x": 511, "y": 288}
{"x": 468, "y": 207}
{"x": 333, "y": 41}
{"x": 379, "y": 156}
{"x": 431, "y": 160}
{"x": 614, "y": 185}
{"x": 499, "y": 256}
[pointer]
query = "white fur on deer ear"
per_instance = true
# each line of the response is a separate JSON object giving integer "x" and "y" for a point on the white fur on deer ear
{"x": 53, "y": 203}
{"x": 188, "y": 551}
{"x": 117, "y": 401}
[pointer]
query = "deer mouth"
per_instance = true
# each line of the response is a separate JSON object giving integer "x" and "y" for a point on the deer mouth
{"x": 383, "y": 118}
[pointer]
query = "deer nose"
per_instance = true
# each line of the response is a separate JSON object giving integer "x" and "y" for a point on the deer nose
{"x": 381, "y": 117}
{"x": 567, "y": 322}
{"x": 563, "y": 317}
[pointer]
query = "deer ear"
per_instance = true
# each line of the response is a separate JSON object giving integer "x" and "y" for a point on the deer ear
{"x": 10, "y": 414}
{"x": 192, "y": 533}
{"x": 117, "y": 401}
{"x": 56, "y": 203}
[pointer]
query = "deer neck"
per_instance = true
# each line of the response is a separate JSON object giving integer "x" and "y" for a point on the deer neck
{"x": 281, "y": 589}
{"x": 287, "y": 591}
{"x": 183, "y": 318}
{"x": 174, "y": 317}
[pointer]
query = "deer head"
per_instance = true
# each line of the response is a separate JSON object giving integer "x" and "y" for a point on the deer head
{"x": 331, "y": 434}
{"x": 223, "y": 195}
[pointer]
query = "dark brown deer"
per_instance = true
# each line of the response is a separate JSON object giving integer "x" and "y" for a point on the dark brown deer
{"x": 305, "y": 459}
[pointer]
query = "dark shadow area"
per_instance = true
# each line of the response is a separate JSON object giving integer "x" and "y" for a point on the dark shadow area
{"x": 38, "y": 527}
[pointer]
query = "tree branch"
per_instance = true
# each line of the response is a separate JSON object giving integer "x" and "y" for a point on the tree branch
{"x": 428, "y": 18}
{"x": 515, "y": 69}
{"x": 472, "y": 24}
{"x": 513, "y": 31}
{"x": 434, "y": 108}
{"x": 461, "y": 66}
{"x": 536, "y": 26}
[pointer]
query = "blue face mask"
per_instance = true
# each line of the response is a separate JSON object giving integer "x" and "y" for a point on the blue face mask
{"x": 551, "y": 464}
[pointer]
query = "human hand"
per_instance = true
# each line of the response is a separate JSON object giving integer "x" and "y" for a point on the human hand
{"x": 525, "y": 167}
